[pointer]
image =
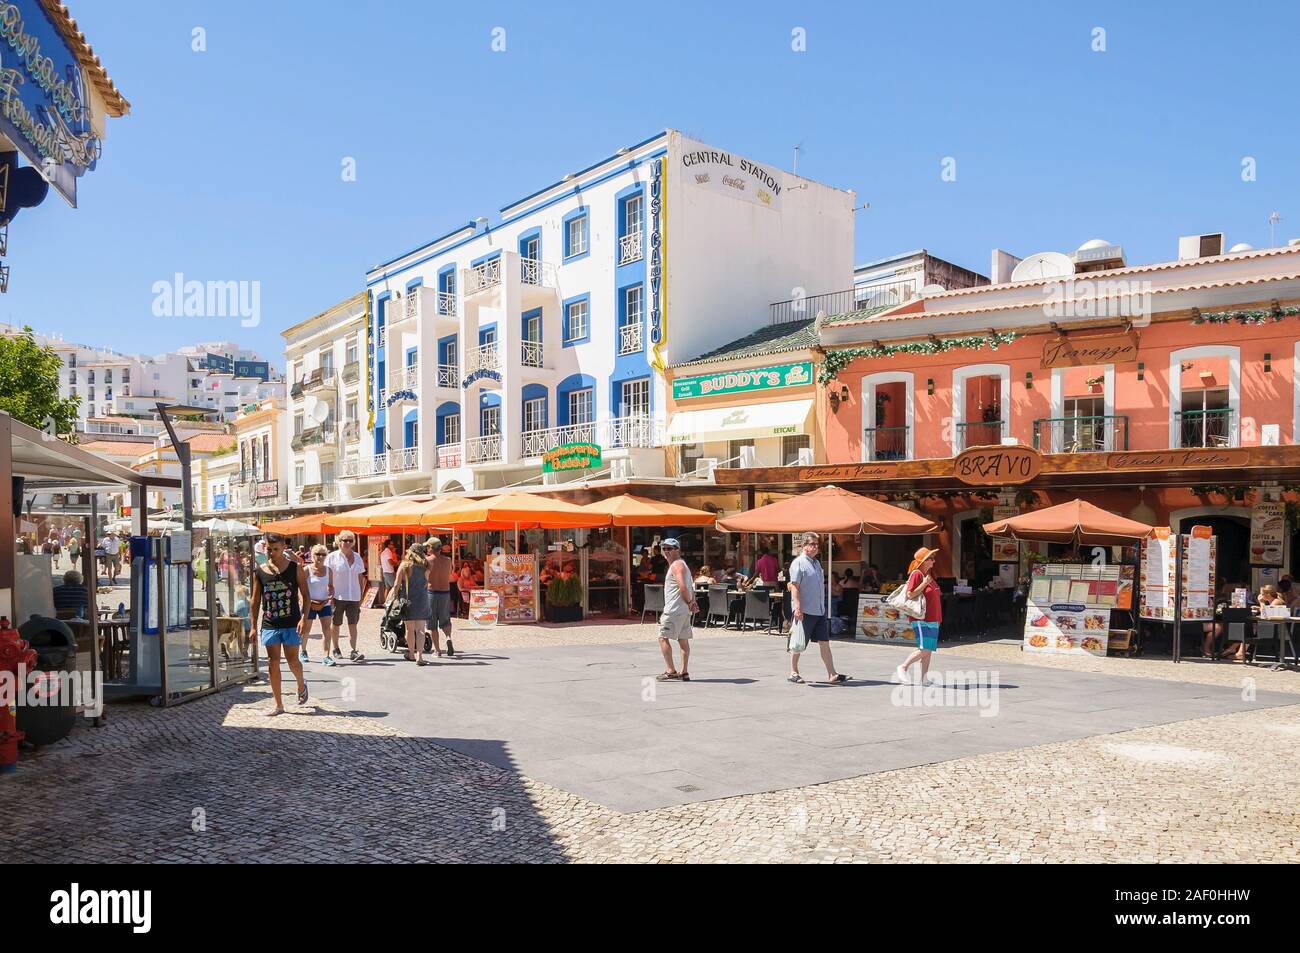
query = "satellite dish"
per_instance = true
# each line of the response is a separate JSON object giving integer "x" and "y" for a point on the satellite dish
{"x": 1045, "y": 264}
{"x": 320, "y": 411}
{"x": 932, "y": 290}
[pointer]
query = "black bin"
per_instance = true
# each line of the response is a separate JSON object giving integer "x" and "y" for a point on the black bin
{"x": 56, "y": 651}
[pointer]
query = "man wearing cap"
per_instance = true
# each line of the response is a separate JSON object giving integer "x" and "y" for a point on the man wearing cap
{"x": 679, "y": 607}
{"x": 921, "y": 579}
{"x": 808, "y": 604}
{"x": 438, "y": 576}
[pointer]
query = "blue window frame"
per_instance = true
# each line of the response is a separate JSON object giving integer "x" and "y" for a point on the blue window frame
{"x": 531, "y": 325}
{"x": 487, "y": 334}
{"x": 447, "y": 429}
{"x": 534, "y": 409}
{"x": 576, "y": 316}
{"x": 530, "y": 244}
{"x": 577, "y": 234}
{"x": 447, "y": 279}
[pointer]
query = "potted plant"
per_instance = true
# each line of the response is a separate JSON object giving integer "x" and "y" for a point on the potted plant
{"x": 564, "y": 598}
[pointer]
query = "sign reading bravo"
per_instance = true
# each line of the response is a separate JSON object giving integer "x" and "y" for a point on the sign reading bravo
{"x": 997, "y": 466}
{"x": 733, "y": 382}
{"x": 727, "y": 173}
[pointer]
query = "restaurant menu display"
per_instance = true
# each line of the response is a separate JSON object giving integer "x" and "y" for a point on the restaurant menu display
{"x": 1006, "y": 551}
{"x": 1198, "y": 550}
{"x": 1069, "y": 607}
{"x": 514, "y": 579}
{"x": 1267, "y": 532}
{"x": 484, "y": 608}
{"x": 878, "y": 622}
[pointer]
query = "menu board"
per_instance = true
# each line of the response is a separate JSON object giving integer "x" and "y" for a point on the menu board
{"x": 1157, "y": 576}
{"x": 1198, "y": 551}
{"x": 878, "y": 622}
{"x": 514, "y": 579}
{"x": 1006, "y": 551}
{"x": 1069, "y": 605}
{"x": 1267, "y": 533}
{"x": 484, "y": 608}
{"x": 1198, "y": 573}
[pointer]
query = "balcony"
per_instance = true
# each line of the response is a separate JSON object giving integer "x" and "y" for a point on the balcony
{"x": 629, "y": 248}
{"x": 368, "y": 465}
{"x": 411, "y": 309}
{"x": 318, "y": 493}
{"x": 885, "y": 443}
{"x": 1081, "y": 434}
{"x": 537, "y": 273}
{"x": 483, "y": 276}
{"x": 448, "y": 375}
{"x": 629, "y": 338}
{"x": 633, "y": 432}
{"x": 317, "y": 436}
{"x": 1206, "y": 428}
{"x": 979, "y": 434}
{"x": 530, "y": 353}
{"x": 449, "y": 455}
{"x": 538, "y": 442}
{"x": 407, "y": 458}
{"x": 486, "y": 357}
{"x": 411, "y": 378}
{"x": 296, "y": 390}
{"x": 320, "y": 380}
{"x": 483, "y": 449}
{"x": 296, "y": 442}
{"x": 351, "y": 372}
{"x": 351, "y": 431}
{"x": 447, "y": 303}
{"x": 884, "y": 294}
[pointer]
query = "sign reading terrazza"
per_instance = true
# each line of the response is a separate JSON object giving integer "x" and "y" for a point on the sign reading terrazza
{"x": 997, "y": 466}
{"x": 571, "y": 456}
{"x": 734, "y": 382}
{"x": 1177, "y": 459}
{"x": 1082, "y": 352}
{"x": 728, "y": 174}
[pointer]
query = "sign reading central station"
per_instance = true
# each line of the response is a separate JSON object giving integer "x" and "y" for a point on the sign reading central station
{"x": 735, "y": 382}
{"x": 994, "y": 466}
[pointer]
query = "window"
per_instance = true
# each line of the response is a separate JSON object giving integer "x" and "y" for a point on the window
{"x": 327, "y": 474}
{"x": 487, "y": 336}
{"x": 350, "y": 412}
{"x": 689, "y": 456}
{"x": 530, "y": 248}
{"x": 1084, "y": 429}
{"x": 733, "y": 451}
{"x": 575, "y": 236}
{"x": 632, "y": 300}
{"x": 534, "y": 414}
{"x": 791, "y": 444}
{"x": 299, "y": 475}
{"x": 636, "y": 398}
{"x": 351, "y": 351}
{"x": 581, "y": 406}
{"x": 576, "y": 325}
{"x": 449, "y": 282}
{"x": 327, "y": 362}
{"x": 297, "y": 425}
{"x": 632, "y": 215}
{"x": 490, "y": 421}
{"x": 451, "y": 429}
{"x": 1206, "y": 418}
{"x": 451, "y": 353}
{"x": 533, "y": 328}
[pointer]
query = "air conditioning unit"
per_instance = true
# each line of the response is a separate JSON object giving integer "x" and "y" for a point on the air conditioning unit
{"x": 1200, "y": 246}
{"x": 618, "y": 469}
{"x": 704, "y": 468}
{"x": 748, "y": 457}
{"x": 805, "y": 457}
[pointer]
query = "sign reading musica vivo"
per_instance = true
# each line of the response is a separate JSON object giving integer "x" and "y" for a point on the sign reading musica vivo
{"x": 571, "y": 456}
{"x": 734, "y": 382}
{"x": 729, "y": 174}
{"x": 45, "y": 110}
{"x": 997, "y": 466}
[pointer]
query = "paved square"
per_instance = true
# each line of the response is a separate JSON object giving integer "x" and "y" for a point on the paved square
{"x": 589, "y": 719}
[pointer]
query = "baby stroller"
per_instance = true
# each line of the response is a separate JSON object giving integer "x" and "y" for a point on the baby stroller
{"x": 392, "y": 630}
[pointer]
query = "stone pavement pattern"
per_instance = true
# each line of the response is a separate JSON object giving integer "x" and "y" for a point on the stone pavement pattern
{"x": 336, "y": 785}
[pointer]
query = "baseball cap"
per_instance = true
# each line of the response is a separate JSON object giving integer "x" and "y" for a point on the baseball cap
{"x": 433, "y": 541}
{"x": 670, "y": 541}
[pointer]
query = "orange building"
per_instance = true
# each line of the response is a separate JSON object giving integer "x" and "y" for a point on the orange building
{"x": 1167, "y": 392}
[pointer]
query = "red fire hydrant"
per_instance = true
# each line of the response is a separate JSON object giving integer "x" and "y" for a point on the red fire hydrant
{"x": 16, "y": 658}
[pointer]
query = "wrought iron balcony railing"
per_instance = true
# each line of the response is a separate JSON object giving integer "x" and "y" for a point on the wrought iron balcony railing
{"x": 1206, "y": 428}
{"x": 885, "y": 443}
{"x": 978, "y": 434}
{"x": 1093, "y": 434}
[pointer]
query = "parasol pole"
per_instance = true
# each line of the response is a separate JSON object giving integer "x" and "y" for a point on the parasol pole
{"x": 830, "y": 559}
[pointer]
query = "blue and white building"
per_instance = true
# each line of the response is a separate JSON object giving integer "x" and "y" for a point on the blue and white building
{"x": 553, "y": 324}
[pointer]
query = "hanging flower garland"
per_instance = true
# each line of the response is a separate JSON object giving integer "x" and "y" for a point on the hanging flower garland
{"x": 838, "y": 360}
{"x": 1262, "y": 316}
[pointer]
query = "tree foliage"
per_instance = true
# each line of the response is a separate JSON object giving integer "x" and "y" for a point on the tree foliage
{"x": 29, "y": 384}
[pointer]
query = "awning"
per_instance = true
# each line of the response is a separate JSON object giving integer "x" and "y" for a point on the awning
{"x": 751, "y": 422}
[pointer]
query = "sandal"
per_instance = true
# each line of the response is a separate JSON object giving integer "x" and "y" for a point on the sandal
{"x": 667, "y": 677}
{"x": 839, "y": 679}
{"x": 421, "y": 662}
{"x": 273, "y": 712}
{"x": 408, "y": 656}
{"x": 302, "y": 695}
{"x": 684, "y": 677}
{"x": 795, "y": 679}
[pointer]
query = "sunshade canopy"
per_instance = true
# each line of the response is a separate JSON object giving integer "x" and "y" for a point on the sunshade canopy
{"x": 629, "y": 510}
{"x": 516, "y": 510}
{"x": 829, "y": 509}
{"x": 1077, "y": 521}
{"x": 293, "y": 526}
{"x": 225, "y": 527}
{"x": 360, "y": 518}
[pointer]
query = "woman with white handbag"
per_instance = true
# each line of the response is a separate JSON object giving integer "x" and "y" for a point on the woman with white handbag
{"x": 920, "y": 599}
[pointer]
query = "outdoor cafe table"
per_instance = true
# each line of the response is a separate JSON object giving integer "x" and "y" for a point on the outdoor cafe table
{"x": 1285, "y": 638}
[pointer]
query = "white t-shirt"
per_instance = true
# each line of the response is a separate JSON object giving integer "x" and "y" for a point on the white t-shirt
{"x": 347, "y": 580}
{"x": 388, "y": 559}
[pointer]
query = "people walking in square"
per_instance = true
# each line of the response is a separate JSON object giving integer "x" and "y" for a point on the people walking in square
{"x": 279, "y": 593}
{"x": 348, "y": 586}
{"x": 320, "y": 606}
{"x": 921, "y": 579}
{"x": 410, "y": 583}
{"x": 388, "y": 560}
{"x": 679, "y": 608}
{"x": 439, "y": 583}
{"x": 808, "y": 606}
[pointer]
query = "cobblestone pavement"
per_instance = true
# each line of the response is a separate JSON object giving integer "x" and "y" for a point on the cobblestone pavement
{"x": 214, "y": 780}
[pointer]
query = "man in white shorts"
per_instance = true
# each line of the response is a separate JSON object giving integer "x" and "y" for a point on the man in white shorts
{"x": 679, "y": 608}
{"x": 348, "y": 585}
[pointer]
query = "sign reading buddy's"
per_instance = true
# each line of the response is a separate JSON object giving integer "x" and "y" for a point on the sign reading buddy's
{"x": 725, "y": 172}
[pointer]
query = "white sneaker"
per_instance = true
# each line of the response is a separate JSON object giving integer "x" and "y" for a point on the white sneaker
{"x": 929, "y": 679}
{"x": 900, "y": 676}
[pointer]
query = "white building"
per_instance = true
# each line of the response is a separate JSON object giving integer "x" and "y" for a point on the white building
{"x": 498, "y": 342}
{"x": 325, "y": 365}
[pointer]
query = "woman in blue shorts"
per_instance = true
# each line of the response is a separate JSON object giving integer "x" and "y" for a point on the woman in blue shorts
{"x": 321, "y": 607}
{"x": 921, "y": 580}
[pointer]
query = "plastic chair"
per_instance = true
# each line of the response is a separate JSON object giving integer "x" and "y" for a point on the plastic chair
{"x": 654, "y": 600}
{"x": 719, "y": 608}
{"x": 757, "y": 611}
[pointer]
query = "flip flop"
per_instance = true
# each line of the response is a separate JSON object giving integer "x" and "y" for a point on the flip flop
{"x": 839, "y": 679}
{"x": 302, "y": 695}
{"x": 667, "y": 677}
{"x": 684, "y": 677}
{"x": 795, "y": 680}
{"x": 273, "y": 712}
{"x": 421, "y": 662}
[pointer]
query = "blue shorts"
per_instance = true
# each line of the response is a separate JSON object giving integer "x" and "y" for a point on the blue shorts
{"x": 287, "y": 636}
{"x": 927, "y": 635}
{"x": 324, "y": 612}
{"x": 816, "y": 628}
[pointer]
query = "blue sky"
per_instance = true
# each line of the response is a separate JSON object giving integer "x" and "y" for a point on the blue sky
{"x": 229, "y": 165}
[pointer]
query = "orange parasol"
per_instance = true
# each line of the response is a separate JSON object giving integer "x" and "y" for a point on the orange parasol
{"x": 1078, "y": 522}
{"x": 295, "y": 525}
{"x": 516, "y": 511}
{"x": 360, "y": 519}
{"x": 829, "y": 509}
{"x": 629, "y": 510}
